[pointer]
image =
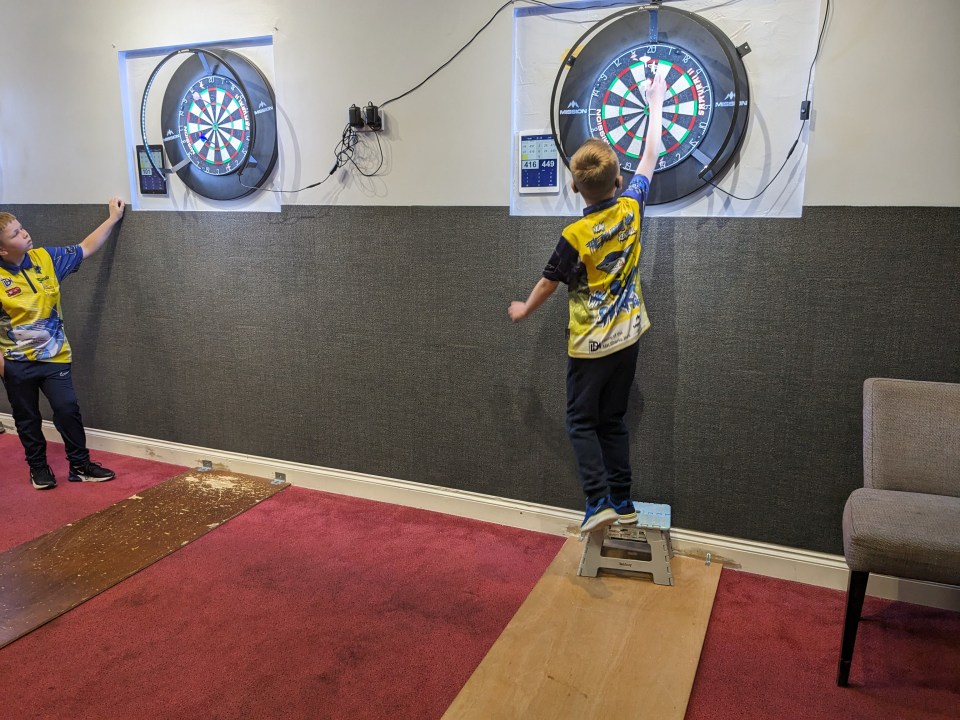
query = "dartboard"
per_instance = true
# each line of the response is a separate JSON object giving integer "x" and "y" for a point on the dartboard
{"x": 600, "y": 92}
{"x": 218, "y": 122}
{"x": 214, "y": 124}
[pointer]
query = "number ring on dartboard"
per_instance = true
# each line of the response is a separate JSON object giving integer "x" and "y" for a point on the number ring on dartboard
{"x": 218, "y": 122}
{"x": 621, "y": 108}
{"x": 600, "y": 92}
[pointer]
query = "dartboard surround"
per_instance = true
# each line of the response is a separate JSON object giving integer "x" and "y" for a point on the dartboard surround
{"x": 219, "y": 125}
{"x": 601, "y": 92}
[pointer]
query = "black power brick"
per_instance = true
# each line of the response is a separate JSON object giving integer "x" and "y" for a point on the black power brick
{"x": 371, "y": 115}
{"x": 355, "y": 118}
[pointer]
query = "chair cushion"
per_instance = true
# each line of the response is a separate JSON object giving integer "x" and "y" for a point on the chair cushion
{"x": 904, "y": 534}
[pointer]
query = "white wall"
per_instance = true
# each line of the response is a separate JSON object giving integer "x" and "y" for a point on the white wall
{"x": 883, "y": 79}
{"x": 887, "y": 106}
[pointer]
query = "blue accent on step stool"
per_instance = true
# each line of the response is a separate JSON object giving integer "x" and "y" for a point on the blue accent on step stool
{"x": 653, "y": 515}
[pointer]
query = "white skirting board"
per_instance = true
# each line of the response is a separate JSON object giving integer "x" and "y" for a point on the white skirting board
{"x": 776, "y": 561}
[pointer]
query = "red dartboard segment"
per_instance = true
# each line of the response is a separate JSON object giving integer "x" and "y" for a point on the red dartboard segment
{"x": 631, "y": 133}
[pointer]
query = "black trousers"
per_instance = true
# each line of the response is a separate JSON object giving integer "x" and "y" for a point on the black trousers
{"x": 598, "y": 390}
{"x": 24, "y": 381}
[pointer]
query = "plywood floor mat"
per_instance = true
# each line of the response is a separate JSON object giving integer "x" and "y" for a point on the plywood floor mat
{"x": 599, "y": 647}
{"x": 45, "y": 577}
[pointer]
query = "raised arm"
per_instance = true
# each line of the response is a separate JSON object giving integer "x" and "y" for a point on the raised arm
{"x": 651, "y": 150}
{"x": 95, "y": 240}
{"x": 541, "y": 291}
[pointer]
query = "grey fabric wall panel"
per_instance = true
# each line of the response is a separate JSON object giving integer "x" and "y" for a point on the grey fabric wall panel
{"x": 376, "y": 340}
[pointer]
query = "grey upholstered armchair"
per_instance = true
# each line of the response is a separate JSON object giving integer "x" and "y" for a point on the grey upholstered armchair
{"x": 905, "y": 520}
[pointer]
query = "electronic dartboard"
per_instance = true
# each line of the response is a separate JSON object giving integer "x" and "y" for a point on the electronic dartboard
{"x": 218, "y": 121}
{"x": 600, "y": 92}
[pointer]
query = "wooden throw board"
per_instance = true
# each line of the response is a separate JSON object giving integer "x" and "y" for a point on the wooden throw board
{"x": 583, "y": 647}
{"x": 45, "y": 577}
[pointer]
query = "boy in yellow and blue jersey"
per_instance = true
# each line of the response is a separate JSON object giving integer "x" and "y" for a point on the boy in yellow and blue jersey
{"x": 598, "y": 259}
{"x": 35, "y": 354}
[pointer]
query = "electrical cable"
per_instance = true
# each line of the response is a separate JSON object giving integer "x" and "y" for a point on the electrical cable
{"x": 353, "y": 162}
{"x": 487, "y": 24}
{"x": 342, "y": 153}
{"x": 344, "y": 149}
{"x": 806, "y": 100}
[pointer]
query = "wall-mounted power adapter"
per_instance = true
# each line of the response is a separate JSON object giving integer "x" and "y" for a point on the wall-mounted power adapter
{"x": 355, "y": 117}
{"x": 371, "y": 116}
{"x": 368, "y": 116}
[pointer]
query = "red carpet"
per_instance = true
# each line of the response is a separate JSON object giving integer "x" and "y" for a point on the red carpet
{"x": 309, "y": 605}
{"x": 313, "y": 605}
{"x": 771, "y": 653}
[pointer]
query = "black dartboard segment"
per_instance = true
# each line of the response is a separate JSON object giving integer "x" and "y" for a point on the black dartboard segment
{"x": 600, "y": 92}
{"x": 219, "y": 124}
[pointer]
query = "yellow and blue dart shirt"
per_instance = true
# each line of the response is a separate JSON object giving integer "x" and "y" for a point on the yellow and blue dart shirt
{"x": 598, "y": 257}
{"x": 31, "y": 327}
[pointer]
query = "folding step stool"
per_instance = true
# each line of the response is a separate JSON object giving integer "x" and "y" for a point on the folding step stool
{"x": 649, "y": 536}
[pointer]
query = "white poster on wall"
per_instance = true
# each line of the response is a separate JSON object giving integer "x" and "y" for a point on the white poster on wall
{"x": 734, "y": 145}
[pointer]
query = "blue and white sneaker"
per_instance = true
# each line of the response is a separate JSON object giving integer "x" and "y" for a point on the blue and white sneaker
{"x": 598, "y": 515}
{"x": 625, "y": 509}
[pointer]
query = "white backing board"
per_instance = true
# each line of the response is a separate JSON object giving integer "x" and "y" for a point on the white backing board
{"x": 782, "y": 37}
{"x": 136, "y": 66}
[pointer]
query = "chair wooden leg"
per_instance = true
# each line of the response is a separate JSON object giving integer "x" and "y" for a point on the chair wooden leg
{"x": 855, "y": 593}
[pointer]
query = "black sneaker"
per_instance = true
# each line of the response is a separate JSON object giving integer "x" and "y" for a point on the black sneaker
{"x": 42, "y": 478}
{"x": 90, "y": 472}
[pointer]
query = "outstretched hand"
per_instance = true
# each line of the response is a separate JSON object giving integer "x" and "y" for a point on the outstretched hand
{"x": 94, "y": 241}
{"x": 116, "y": 206}
{"x": 657, "y": 90}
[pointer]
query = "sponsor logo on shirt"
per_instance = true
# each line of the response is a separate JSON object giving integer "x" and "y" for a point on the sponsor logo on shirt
{"x": 13, "y": 291}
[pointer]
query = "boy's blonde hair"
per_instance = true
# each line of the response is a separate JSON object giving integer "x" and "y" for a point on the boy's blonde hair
{"x": 595, "y": 168}
{"x": 5, "y": 219}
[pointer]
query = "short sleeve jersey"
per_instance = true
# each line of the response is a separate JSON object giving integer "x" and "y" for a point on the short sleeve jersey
{"x": 31, "y": 325}
{"x": 598, "y": 258}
